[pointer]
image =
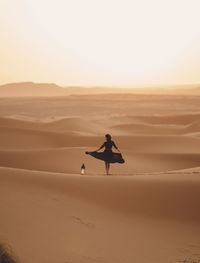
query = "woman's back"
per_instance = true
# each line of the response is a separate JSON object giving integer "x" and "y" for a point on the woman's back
{"x": 108, "y": 145}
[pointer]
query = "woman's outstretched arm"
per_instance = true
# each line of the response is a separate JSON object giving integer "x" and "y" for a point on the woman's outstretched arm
{"x": 100, "y": 147}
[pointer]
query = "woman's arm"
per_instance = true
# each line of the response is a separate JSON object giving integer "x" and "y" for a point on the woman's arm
{"x": 100, "y": 147}
{"x": 116, "y": 147}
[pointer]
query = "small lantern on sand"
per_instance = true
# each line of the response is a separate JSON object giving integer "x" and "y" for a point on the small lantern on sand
{"x": 83, "y": 169}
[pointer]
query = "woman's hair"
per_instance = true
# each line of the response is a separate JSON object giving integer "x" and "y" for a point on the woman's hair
{"x": 108, "y": 136}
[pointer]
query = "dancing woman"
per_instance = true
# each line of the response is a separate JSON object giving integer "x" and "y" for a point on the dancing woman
{"x": 108, "y": 156}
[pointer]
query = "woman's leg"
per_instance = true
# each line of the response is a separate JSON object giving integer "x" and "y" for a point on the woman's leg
{"x": 106, "y": 166}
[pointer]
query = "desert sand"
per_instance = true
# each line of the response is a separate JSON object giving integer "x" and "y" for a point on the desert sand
{"x": 146, "y": 211}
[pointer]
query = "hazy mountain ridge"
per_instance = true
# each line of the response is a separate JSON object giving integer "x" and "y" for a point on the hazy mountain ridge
{"x": 29, "y": 89}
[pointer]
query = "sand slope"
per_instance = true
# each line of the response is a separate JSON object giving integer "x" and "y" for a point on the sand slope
{"x": 69, "y": 160}
{"x": 62, "y": 125}
{"x": 100, "y": 219}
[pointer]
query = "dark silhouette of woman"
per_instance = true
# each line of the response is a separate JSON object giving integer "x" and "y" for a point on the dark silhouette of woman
{"x": 108, "y": 156}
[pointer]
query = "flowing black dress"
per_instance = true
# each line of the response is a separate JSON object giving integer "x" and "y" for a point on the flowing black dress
{"x": 108, "y": 155}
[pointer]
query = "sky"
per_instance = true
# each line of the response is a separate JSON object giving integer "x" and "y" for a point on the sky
{"x": 100, "y": 42}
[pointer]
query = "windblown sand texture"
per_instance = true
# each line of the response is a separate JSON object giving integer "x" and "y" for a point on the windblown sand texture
{"x": 147, "y": 211}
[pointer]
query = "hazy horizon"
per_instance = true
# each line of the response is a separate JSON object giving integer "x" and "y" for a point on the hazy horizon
{"x": 130, "y": 86}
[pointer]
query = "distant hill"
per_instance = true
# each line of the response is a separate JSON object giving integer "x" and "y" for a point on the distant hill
{"x": 22, "y": 89}
{"x": 31, "y": 89}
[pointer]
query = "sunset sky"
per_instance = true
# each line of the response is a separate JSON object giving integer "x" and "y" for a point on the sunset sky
{"x": 100, "y": 42}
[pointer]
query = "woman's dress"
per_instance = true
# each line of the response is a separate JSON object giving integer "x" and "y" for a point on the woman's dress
{"x": 108, "y": 155}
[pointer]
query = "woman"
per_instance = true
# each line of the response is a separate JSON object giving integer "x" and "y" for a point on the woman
{"x": 108, "y": 156}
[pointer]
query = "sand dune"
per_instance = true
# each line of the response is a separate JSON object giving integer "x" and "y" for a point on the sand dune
{"x": 159, "y": 144}
{"x": 99, "y": 219}
{"x": 17, "y": 134}
{"x": 35, "y": 146}
{"x": 100, "y": 106}
{"x": 69, "y": 160}
{"x": 152, "y": 129}
{"x": 145, "y": 212}
{"x": 158, "y": 125}
{"x": 62, "y": 125}
{"x": 104, "y": 191}
{"x": 15, "y": 138}
{"x": 149, "y": 129}
{"x": 176, "y": 119}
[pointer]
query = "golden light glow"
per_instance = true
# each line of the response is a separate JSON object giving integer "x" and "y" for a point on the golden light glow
{"x": 100, "y": 42}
